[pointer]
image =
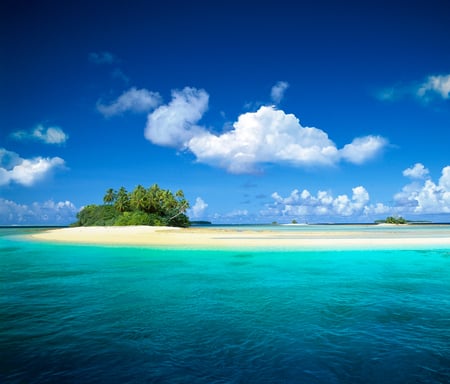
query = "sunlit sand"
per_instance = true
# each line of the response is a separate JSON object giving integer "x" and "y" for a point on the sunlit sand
{"x": 243, "y": 238}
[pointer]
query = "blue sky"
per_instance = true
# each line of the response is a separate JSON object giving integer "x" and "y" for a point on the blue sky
{"x": 318, "y": 111}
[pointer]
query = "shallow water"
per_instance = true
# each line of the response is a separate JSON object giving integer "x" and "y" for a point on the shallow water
{"x": 113, "y": 314}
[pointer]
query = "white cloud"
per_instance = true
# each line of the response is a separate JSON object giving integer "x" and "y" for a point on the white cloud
{"x": 133, "y": 100}
{"x": 268, "y": 135}
{"x": 47, "y": 213}
{"x": 102, "y": 58}
{"x": 418, "y": 171}
{"x": 435, "y": 85}
{"x": 198, "y": 208}
{"x": 25, "y": 171}
{"x": 362, "y": 149}
{"x": 272, "y": 136}
{"x": 49, "y": 135}
{"x": 426, "y": 197}
{"x": 237, "y": 213}
{"x": 304, "y": 204}
{"x": 278, "y": 90}
{"x": 173, "y": 125}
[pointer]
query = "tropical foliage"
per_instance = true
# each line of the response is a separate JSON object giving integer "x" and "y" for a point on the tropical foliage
{"x": 393, "y": 220}
{"x": 151, "y": 206}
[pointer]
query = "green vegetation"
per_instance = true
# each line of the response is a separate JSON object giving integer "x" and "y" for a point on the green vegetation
{"x": 152, "y": 206}
{"x": 393, "y": 220}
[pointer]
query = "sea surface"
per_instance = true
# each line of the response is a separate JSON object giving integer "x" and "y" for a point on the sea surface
{"x": 98, "y": 314}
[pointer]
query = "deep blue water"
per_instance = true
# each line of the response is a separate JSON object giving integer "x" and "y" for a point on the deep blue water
{"x": 85, "y": 314}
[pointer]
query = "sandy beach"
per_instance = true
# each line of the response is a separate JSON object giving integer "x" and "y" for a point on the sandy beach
{"x": 243, "y": 238}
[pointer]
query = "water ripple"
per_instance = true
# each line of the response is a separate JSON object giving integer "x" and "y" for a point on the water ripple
{"x": 87, "y": 314}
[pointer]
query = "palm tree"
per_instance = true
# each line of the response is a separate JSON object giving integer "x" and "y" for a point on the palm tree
{"x": 122, "y": 202}
{"x": 110, "y": 196}
{"x": 139, "y": 198}
{"x": 153, "y": 196}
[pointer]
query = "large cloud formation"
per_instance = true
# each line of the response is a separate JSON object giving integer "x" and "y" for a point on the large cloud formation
{"x": 268, "y": 135}
{"x": 26, "y": 172}
{"x": 421, "y": 196}
{"x": 304, "y": 204}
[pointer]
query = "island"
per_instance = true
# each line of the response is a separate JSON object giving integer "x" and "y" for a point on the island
{"x": 392, "y": 220}
{"x": 151, "y": 206}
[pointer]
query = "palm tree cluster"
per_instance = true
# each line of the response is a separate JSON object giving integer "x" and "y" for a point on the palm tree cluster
{"x": 142, "y": 206}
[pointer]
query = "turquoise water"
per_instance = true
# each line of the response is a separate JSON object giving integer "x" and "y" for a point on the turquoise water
{"x": 85, "y": 314}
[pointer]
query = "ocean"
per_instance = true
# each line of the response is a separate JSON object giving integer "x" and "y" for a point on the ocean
{"x": 99, "y": 314}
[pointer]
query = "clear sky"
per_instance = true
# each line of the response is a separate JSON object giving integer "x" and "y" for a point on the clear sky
{"x": 318, "y": 111}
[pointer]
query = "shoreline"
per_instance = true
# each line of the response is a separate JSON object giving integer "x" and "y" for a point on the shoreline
{"x": 189, "y": 238}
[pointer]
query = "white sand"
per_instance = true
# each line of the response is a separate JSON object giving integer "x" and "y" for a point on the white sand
{"x": 231, "y": 238}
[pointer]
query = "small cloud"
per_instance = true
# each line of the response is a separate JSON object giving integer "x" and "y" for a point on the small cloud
{"x": 198, "y": 208}
{"x": 237, "y": 213}
{"x": 102, "y": 58}
{"x": 27, "y": 172}
{"x": 435, "y": 86}
{"x": 278, "y": 90}
{"x": 120, "y": 75}
{"x": 362, "y": 149}
{"x": 46, "y": 213}
{"x": 418, "y": 171}
{"x": 174, "y": 124}
{"x": 133, "y": 100}
{"x": 389, "y": 94}
{"x": 49, "y": 135}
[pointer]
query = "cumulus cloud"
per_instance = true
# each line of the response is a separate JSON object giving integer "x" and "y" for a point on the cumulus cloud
{"x": 14, "y": 169}
{"x": 425, "y": 197}
{"x": 362, "y": 149}
{"x": 278, "y": 90}
{"x": 268, "y": 135}
{"x": 48, "y": 135}
{"x": 419, "y": 198}
{"x": 102, "y": 58}
{"x": 304, "y": 204}
{"x": 198, "y": 208}
{"x": 272, "y": 136}
{"x": 435, "y": 86}
{"x": 46, "y": 213}
{"x": 133, "y": 100}
{"x": 418, "y": 171}
{"x": 174, "y": 124}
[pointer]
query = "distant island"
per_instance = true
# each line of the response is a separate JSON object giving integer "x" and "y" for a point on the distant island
{"x": 143, "y": 206}
{"x": 392, "y": 220}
